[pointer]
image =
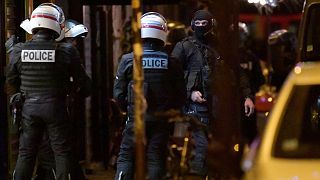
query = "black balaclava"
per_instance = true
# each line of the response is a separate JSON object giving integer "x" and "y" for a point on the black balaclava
{"x": 202, "y": 31}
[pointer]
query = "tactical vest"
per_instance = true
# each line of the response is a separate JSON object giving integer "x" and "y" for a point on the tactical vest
{"x": 43, "y": 69}
{"x": 199, "y": 64}
{"x": 156, "y": 81}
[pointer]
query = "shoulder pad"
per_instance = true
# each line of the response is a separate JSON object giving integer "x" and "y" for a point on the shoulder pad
{"x": 127, "y": 56}
{"x": 17, "y": 47}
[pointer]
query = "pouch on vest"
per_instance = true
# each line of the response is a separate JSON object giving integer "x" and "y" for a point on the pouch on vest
{"x": 131, "y": 92}
{"x": 192, "y": 78}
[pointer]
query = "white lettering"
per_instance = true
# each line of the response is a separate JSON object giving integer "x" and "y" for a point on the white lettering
{"x": 38, "y": 56}
{"x": 154, "y": 63}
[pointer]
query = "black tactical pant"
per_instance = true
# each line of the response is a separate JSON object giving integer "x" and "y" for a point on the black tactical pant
{"x": 46, "y": 163}
{"x": 44, "y": 114}
{"x": 198, "y": 162}
{"x": 200, "y": 137}
{"x": 157, "y": 134}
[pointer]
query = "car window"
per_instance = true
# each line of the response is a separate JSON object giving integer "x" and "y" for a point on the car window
{"x": 299, "y": 131}
{"x": 311, "y": 49}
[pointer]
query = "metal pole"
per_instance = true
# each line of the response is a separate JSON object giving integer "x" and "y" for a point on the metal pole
{"x": 28, "y": 11}
{"x": 13, "y": 137}
{"x": 139, "y": 101}
{"x": 3, "y": 99}
{"x": 223, "y": 155}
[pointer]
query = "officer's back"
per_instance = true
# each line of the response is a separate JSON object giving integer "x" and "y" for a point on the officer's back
{"x": 41, "y": 69}
{"x": 45, "y": 65}
{"x": 163, "y": 89}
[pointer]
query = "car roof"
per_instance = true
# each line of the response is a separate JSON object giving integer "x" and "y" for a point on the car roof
{"x": 305, "y": 73}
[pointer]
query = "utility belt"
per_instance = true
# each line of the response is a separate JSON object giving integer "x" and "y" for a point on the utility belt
{"x": 43, "y": 96}
{"x": 200, "y": 111}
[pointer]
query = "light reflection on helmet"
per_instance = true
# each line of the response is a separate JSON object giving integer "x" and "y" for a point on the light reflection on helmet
{"x": 74, "y": 29}
{"x": 49, "y": 16}
{"x": 154, "y": 25}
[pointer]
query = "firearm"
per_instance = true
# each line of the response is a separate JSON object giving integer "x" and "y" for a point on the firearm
{"x": 16, "y": 103}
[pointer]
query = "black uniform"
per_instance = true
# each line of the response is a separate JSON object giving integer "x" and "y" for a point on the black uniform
{"x": 41, "y": 70}
{"x": 164, "y": 90}
{"x": 250, "y": 66}
{"x": 198, "y": 60}
{"x": 201, "y": 65}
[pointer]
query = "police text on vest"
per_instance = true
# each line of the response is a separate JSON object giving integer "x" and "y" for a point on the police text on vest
{"x": 38, "y": 56}
{"x": 154, "y": 63}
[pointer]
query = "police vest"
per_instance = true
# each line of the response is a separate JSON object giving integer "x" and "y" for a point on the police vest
{"x": 156, "y": 78}
{"x": 43, "y": 69}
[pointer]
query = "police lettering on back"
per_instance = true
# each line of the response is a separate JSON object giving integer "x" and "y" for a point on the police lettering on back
{"x": 154, "y": 63}
{"x": 38, "y": 56}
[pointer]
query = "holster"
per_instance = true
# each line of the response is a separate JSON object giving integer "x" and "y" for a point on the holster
{"x": 200, "y": 111}
{"x": 16, "y": 104}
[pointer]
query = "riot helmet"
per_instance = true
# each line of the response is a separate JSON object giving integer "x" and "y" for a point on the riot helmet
{"x": 154, "y": 25}
{"x": 48, "y": 16}
{"x": 74, "y": 29}
{"x": 243, "y": 34}
{"x": 202, "y": 23}
{"x": 282, "y": 45}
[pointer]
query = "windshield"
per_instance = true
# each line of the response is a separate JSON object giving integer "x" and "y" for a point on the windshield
{"x": 299, "y": 131}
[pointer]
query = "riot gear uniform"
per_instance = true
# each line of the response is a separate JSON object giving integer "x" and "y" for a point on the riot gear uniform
{"x": 250, "y": 67}
{"x": 41, "y": 69}
{"x": 201, "y": 64}
{"x": 72, "y": 31}
{"x": 198, "y": 61}
{"x": 164, "y": 90}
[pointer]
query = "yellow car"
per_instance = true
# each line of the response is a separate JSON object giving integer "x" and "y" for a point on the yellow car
{"x": 290, "y": 146}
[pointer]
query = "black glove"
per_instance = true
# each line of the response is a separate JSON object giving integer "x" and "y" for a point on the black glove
{"x": 11, "y": 42}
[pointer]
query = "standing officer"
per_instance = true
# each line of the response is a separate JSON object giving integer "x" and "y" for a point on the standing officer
{"x": 282, "y": 44}
{"x": 41, "y": 70}
{"x": 250, "y": 65}
{"x": 73, "y": 32}
{"x": 164, "y": 90}
{"x": 199, "y": 60}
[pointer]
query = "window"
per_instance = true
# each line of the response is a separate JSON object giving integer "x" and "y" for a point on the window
{"x": 299, "y": 131}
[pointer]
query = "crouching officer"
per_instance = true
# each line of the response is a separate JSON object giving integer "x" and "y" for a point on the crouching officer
{"x": 164, "y": 90}
{"x": 41, "y": 70}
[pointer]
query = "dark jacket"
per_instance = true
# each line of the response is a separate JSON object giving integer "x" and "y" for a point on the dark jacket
{"x": 163, "y": 81}
{"x": 44, "y": 66}
{"x": 202, "y": 65}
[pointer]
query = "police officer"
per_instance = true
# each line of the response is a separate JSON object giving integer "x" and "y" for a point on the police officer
{"x": 250, "y": 66}
{"x": 41, "y": 70}
{"x": 282, "y": 44}
{"x": 73, "y": 32}
{"x": 199, "y": 59}
{"x": 249, "y": 62}
{"x": 164, "y": 90}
